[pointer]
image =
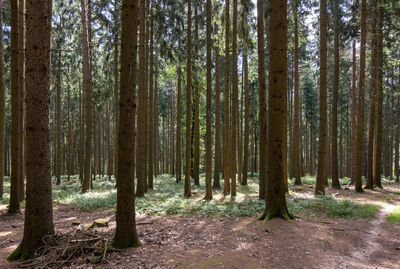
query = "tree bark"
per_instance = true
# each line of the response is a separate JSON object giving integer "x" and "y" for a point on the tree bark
{"x": 322, "y": 172}
{"x": 217, "y": 157}
{"x": 21, "y": 89}
{"x": 246, "y": 104}
{"x": 2, "y": 107}
{"x": 125, "y": 234}
{"x": 38, "y": 211}
{"x": 150, "y": 163}
{"x": 297, "y": 138}
{"x": 353, "y": 113}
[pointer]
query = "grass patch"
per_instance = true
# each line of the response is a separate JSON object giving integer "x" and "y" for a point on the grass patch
{"x": 394, "y": 217}
{"x": 332, "y": 208}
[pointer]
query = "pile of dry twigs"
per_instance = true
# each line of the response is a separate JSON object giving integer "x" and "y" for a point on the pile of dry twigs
{"x": 63, "y": 249}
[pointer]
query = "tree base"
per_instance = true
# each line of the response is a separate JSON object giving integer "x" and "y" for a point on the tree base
{"x": 122, "y": 244}
{"x": 336, "y": 187}
{"x": 271, "y": 214}
{"x": 22, "y": 255}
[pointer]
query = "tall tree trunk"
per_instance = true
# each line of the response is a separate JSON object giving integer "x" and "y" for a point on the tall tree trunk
{"x": 81, "y": 134}
{"x": 208, "y": 141}
{"x": 70, "y": 148}
{"x": 275, "y": 194}
{"x": 379, "y": 103}
{"x": 226, "y": 138}
{"x": 87, "y": 87}
{"x": 142, "y": 107}
{"x": 322, "y": 172}
{"x": 15, "y": 113}
{"x": 246, "y": 104}
{"x": 125, "y": 234}
{"x": 188, "y": 192}
{"x": 297, "y": 137}
{"x": 217, "y": 140}
{"x": 372, "y": 98}
{"x": 150, "y": 168}
{"x": 116, "y": 93}
{"x": 391, "y": 146}
{"x": 179, "y": 127}
{"x": 334, "y": 160}
{"x": 353, "y": 113}
{"x": 360, "y": 110}
{"x": 262, "y": 106}
{"x": 109, "y": 152}
{"x": 21, "y": 89}
{"x": 397, "y": 141}
{"x": 58, "y": 121}
{"x": 196, "y": 105}
{"x": 38, "y": 211}
{"x": 3, "y": 166}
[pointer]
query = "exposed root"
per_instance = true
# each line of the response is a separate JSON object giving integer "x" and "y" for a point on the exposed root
{"x": 62, "y": 249}
{"x": 283, "y": 214}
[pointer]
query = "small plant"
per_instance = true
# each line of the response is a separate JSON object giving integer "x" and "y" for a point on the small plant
{"x": 394, "y": 217}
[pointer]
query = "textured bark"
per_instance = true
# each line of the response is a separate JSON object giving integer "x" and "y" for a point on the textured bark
{"x": 262, "y": 106}
{"x": 275, "y": 194}
{"x": 217, "y": 160}
{"x": 58, "y": 152}
{"x": 142, "y": 107}
{"x": 322, "y": 172}
{"x": 360, "y": 109}
{"x": 188, "y": 192}
{"x": 297, "y": 137}
{"x": 208, "y": 141}
{"x": 38, "y": 211}
{"x": 234, "y": 101}
{"x": 372, "y": 97}
{"x": 116, "y": 97}
{"x": 397, "y": 142}
{"x": 21, "y": 90}
{"x": 70, "y": 138}
{"x": 179, "y": 127}
{"x": 196, "y": 105}
{"x": 334, "y": 141}
{"x": 15, "y": 113}
{"x": 150, "y": 163}
{"x": 109, "y": 151}
{"x": 353, "y": 113}
{"x": 226, "y": 138}
{"x": 87, "y": 88}
{"x": 246, "y": 105}
{"x": 125, "y": 234}
{"x": 379, "y": 103}
{"x": 3, "y": 167}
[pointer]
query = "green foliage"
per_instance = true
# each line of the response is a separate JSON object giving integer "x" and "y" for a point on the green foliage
{"x": 394, "y": 217}
{"x": 332, "y": 208}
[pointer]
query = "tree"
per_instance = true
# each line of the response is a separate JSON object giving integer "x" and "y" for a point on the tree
{"x": 322, "y": 173}
{"x": 188, "y": 192}
{"x": 217, "y": 156}
{"x": 87, "y": 88}
{"x": 334, "y": 165}
{"x": 246, "y": 102}
{"x": 125, "y": 234}
{"x": 275, "y": 191}
{"x": 2, "y": 104}
{"x": 262, "y": 106}
{"x": 208, "y": 142}
{"x": 142, "y": 107}
{"x": 38, "y": 211}
{"x": 15, "y": 113}
{"x": 353, "y": 112}
{"x": 58, "y": 149}
{"x": 21, "y": 93}
{"x": 226, "y": 138}
{"x": 360, "y": 109}
{"x": 179, "y": 127}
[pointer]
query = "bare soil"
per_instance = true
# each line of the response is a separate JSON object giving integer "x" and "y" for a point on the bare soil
{"x": 238, "y": 242}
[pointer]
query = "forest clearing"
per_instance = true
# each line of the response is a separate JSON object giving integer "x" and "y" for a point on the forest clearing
{"x": 200, "y": 134}
{"x": 342, "y": 230}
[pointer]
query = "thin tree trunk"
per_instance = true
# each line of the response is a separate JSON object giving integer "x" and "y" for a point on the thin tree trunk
{"x": 188, "y": 192}
{"x": 179, "y": 128}
{"x": 150, "y": 163}
{"x": 246, "y": 105}
{"x": 322, "y": 173}
{"x": 360, "y": 111}
{"x": 297, "y": 137}
{"x": 217, "y": 157}
{"x": 21, "y": 89}
{"x": 87, "y": 86}
{"x": 196, "y": 105}
{"x": 353, "y": 114}
{"x": 262, "y": 100}
{"x": 3, "y": 157}
{"x": 58, "y": 121}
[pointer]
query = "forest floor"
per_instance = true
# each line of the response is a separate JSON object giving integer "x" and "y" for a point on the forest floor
{"x": 343, "y": 230}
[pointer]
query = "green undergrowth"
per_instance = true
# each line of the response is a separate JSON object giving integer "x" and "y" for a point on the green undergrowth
{"x": 167, "y": 199}
{"x": 394, "y": 217}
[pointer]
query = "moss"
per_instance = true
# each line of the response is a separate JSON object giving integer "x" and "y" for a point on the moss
{"x": 17, "y": 254}
{"x": 283, "y": 214}
{"x": 394, "y": 217}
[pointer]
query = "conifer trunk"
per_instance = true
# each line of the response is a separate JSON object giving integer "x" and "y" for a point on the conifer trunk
{"x": 179, "y": 127}
{"x": 217, "y": 139}
{"x": 246, "y": 106}
{"x": 297, "y": 174}
{"x": 3, "y": 166}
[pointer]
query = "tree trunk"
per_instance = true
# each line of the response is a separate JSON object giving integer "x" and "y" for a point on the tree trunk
{"x": 38, "y": 211}
{"x": 21, "y": 89}
{"x": 125, "y": 234}
{"x": 275, "y": 191}
{"x": 87, "y": 86}
{"x": 246, "y": 105}
{"x": 58, "y": 121}
{"x": 196, "y": 105}
{"x": 262, "y": 106}
{"x": 188, "y": 192}
{"x": 142, "y": 107}
{"x": 3, "y": 166}
{"x": 297, "y": 138}
{"x": 360, "y": 111}
{"x": 179, "y": 128}
{"x": 397, "y": 141}
{"x": 208, "y": 141}
{"x": 150, "y": 168}
{"x": 15, "y": 113}
{"x": 217, "y": 157}
{"x": 116, "y": 93}
{"x": 322, "y": 173}
{"x": 353, "y": 113}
